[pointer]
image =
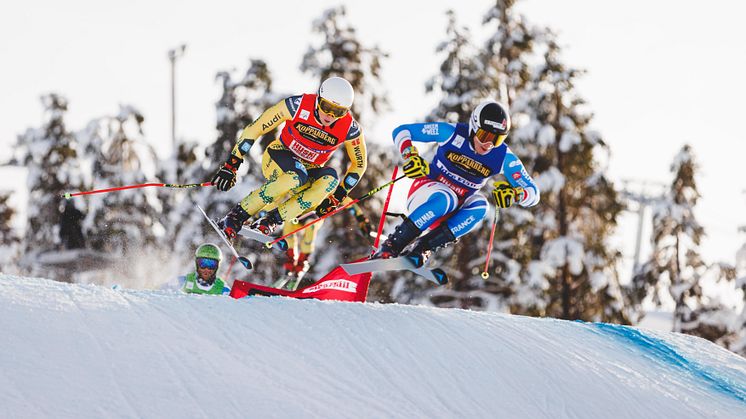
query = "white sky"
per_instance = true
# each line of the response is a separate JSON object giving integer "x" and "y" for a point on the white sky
{"x": 659, "y": 73}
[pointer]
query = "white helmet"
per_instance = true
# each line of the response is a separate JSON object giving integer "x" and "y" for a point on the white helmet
{"x": 337, "y": 90}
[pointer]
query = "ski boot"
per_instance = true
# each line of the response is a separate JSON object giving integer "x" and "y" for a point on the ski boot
{"x": 266, "y": 225}
{"x": 437, "y": 238}
{"x": 232, "y": 223}
{"x": 402, "y": 236}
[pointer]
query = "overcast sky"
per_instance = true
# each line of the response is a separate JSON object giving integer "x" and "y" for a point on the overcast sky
{"x": 660, "y": 74}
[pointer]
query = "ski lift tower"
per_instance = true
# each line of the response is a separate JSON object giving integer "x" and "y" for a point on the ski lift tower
{"x": 643, "y": 193}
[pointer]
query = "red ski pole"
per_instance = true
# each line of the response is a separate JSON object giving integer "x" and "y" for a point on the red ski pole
{"x": 486, "y": 274}
{"x": 349, "y": 204}
{"x": 69, "y": 195}
{"x": 385, "y": 208}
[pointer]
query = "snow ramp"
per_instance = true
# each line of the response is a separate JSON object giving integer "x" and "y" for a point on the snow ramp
{"x": 84, "y": 351}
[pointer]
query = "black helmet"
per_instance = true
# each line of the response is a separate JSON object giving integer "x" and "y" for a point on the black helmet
{"x": 490, "y": 122}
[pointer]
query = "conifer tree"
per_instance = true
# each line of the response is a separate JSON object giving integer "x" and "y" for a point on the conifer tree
{"x": 51, "y": 155}
{"x": 572, "y": 261}
{"x": 342, "y": 54}
{"x": 676, "y": 272}
{"x": 125, "y": 223}
{"x": 461, "y": 81}
{"x": 507, "y": 49}
{"x": 8, "y": 237}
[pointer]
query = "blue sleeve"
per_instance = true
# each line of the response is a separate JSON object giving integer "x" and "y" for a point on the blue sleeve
{"x": 293, "y": 103}
{"x": 517, "y": 175}
{"x": 423, "y": 132}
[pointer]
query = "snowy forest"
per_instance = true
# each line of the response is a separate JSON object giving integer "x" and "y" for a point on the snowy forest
{"x": 553, "y": 260}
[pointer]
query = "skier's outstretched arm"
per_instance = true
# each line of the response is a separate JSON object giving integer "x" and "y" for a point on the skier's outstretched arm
{"x": 517, "y": 176}
{"x": 225, "y": 178}
{"x": 421, "y": 132}
{"x": 267, "y": 121}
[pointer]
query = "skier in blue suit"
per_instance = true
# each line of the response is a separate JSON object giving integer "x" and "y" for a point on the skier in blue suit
{"x": 445, "y": 196}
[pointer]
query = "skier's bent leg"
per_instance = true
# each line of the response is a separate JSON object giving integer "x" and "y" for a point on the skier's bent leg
{"x": 464, "y": 220}
{"x": 428, "y": 201}
{"x": 283, "y": 172}
{"x": 468, "y": 216}
{"x": 323, "y": 182}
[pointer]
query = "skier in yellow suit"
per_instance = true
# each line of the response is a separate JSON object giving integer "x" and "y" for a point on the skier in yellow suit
{"x": 294, "y": 164}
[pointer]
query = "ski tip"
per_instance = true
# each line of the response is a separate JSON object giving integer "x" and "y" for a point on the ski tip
{"x": 245, "y": 262}
{"x": 440, "y": 276}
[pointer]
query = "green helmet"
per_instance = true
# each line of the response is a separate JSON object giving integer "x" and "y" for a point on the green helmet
{"x": 210, "y": 251}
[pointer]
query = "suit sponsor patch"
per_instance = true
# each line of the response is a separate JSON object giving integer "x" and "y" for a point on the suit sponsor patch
{"x": 303, "y": 152}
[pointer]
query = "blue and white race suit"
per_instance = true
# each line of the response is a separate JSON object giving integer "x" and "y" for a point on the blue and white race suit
{"x": 457, "y": 172}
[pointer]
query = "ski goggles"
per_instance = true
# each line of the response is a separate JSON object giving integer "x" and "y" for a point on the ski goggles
{"x": 485, "y": 137}
{"x": 207, "y": 263}
{"x": 332, "y": 109}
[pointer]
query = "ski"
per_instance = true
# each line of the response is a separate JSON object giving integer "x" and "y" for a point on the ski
{"x": 409, "y": 263}
{"x": 244, "y": 261}
{"x": 263, "y": 238}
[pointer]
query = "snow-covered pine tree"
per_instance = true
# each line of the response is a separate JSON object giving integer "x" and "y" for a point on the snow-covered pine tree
{"x": 462, "y": 81}
{"x": 51, "y": 155}
{"x": 572, "y": 272}
{"x": 8, "y": 237}
{"x": 124, "y": 224}
{"x": 507, "y": 50}
{"x": 676, "y": 271}
{"x": 675, "y": 266}
{"x": 342, "y": 54}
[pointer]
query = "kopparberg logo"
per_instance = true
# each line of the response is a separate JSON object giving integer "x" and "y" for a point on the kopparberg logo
{"x": 316, "y": 135}
{"x": 468, "y": 164}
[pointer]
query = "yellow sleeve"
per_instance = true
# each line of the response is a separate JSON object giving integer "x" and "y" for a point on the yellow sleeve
{"x": 267, "y": 121}
{"x": 358, "y": 155}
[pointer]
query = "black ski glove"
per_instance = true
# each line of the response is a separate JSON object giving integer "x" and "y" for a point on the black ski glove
{"x": 225, "y": 178}
{"x": 505, "y": 195}
{"x": 331, "y": 202}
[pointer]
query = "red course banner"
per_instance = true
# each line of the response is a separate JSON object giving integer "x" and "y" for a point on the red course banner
{"x": 336, "y": 285}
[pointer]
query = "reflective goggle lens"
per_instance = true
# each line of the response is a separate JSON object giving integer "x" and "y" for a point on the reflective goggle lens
{"x": 203, "y": 263}
{"x": 331, "y": 108}
{"x": 490, "y": 137}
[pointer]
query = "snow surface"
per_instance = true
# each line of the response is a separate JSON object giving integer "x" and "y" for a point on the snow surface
{"x": 85, "y": 351}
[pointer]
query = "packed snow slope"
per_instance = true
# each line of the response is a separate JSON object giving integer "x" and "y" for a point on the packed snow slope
{"x": 84, "y": 351}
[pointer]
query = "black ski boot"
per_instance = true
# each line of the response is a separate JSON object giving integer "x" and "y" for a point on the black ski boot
{"x": 402, "y": 236}
{"x": 266, "y": 225}
{"x": 233, "y": 221}
{"x": 441, "y": 236}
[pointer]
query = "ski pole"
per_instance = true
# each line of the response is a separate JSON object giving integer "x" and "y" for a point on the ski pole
{"x": 385, "y": 208}
{"x": 353, "y": 202}
{"x": 486, "y": 274}
{"x": 69, "y": 195}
